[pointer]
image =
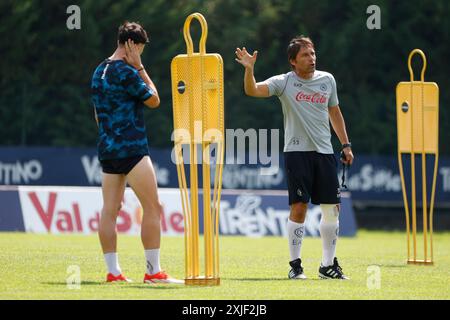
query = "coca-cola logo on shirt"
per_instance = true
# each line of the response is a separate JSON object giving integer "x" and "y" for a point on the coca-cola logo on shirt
{"x": 313, "y": 98}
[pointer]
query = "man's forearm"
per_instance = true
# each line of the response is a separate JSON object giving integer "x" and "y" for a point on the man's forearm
{"x": 144, "y": 75}
{"x": 249, "y": 81}
{"x": 338, "y": 123}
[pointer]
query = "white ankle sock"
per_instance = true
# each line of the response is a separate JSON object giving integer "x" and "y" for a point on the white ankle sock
{"x": 295, "y": 235}
{"x": 329, "y": 234}
{"x": 112, "y": 263}
{"x": 152, "y": 258}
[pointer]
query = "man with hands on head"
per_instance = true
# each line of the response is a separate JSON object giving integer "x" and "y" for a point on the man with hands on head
{"x": 120, "y": 89}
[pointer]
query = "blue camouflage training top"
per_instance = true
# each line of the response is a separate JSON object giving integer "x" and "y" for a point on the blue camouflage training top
{"x": 117, "y": 93}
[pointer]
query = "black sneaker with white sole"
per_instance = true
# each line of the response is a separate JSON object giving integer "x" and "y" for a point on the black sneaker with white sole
{"x": 297, "y": 270}
{"x": 332, "y": 272}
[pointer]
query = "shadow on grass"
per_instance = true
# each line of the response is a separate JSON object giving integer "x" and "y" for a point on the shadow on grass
{"x": 255, "y": 279}
{"x": 273, "y": 279}
{"x": 83, "y": 283}
{"x": 156, "y": 286}
{"x": 391, "y": 265}
{"x": 120, "y": 285}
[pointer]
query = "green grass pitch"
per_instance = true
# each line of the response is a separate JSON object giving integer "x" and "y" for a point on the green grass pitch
{"x": 36, "y": 267}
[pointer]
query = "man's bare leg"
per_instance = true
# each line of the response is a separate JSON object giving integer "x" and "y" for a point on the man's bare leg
{"x": 142, "y": 180}
{"x": 113, "y": 186}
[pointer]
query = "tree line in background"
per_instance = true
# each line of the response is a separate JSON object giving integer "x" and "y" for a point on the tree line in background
{"x": 46, "y": 69}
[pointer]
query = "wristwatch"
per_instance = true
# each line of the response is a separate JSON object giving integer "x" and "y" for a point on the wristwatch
{"x": 347, "y": 145}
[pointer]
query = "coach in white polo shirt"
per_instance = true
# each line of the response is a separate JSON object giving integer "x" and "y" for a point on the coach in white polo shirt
{"x": 309, "y": 101}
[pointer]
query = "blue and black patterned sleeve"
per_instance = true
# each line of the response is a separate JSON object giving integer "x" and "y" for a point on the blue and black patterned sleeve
{"x": 135, "y": 86}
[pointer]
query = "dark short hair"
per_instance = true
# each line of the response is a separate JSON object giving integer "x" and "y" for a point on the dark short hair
{"x": 296, "y": 44}
{"x": 133, "y": 31}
